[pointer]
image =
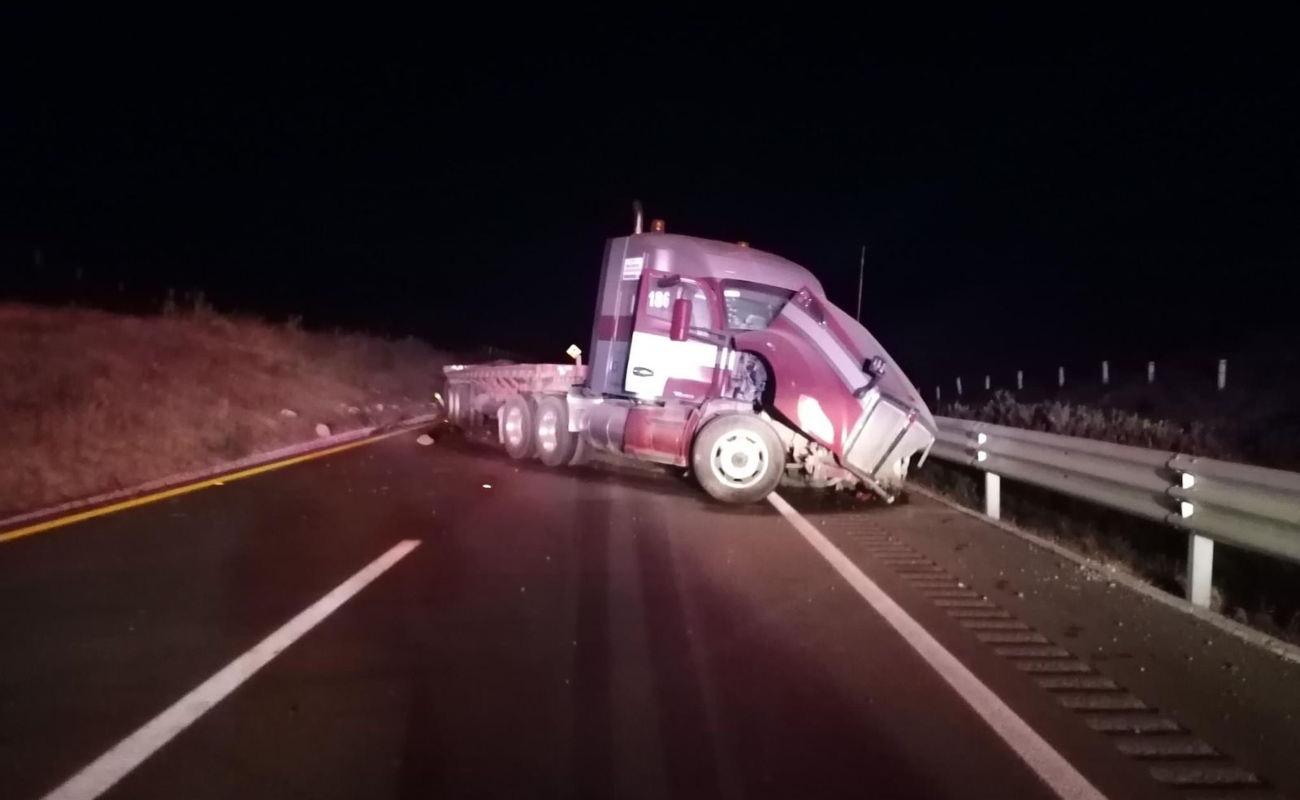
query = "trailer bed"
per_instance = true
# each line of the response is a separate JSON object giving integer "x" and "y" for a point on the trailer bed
{"x": 476, "y": 391}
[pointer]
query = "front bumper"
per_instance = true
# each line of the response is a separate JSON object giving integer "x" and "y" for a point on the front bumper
{"x": 882, "y": 443}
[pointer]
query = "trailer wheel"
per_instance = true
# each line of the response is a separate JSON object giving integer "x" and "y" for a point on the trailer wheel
{"x": 580, "y": 451}
{"x": 458, "y": 405}
{"x": 556, "y": 444}
{"x": 517, "y": 431}
{"x": 452, "y": 406}
{"x": 738, "y": 458}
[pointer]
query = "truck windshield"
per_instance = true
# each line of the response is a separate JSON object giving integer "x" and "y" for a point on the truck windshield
{"x": 752, "y": 306}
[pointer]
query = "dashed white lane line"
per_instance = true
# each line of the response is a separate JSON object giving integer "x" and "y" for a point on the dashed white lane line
{"x": 1040, "y": 756}
{"x": 100, "y": 775}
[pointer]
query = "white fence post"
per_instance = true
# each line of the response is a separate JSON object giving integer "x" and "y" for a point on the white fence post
{"x": 959, "y": 387}
{"x": 1200, "y": 569}
{"x": 938, "y": 394}
{"x": 1151, "y": 372}
{"x": 986, "y": 383}
{"x": 993, "y": 495}
{"x": 1060, "y": 376}
{"x": 1020, "y": 380}
{"x": 1223, "y": 373}
{"x": 1105, "y": 373}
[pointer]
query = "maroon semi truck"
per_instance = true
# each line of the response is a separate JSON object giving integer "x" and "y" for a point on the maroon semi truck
{"x": 716, "y": 358}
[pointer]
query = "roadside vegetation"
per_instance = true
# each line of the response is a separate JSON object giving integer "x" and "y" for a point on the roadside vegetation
{"x": 93, "y": 402}
{"x": 1254, "y": 420}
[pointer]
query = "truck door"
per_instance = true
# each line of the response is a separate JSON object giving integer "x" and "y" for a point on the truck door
{"x": 658, "y": 367}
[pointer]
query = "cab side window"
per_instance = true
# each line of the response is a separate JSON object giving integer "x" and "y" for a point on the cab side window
{"x": 661, "y": 301}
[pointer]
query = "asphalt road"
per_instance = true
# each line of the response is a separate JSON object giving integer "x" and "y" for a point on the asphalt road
{"x": 583, "y": 633}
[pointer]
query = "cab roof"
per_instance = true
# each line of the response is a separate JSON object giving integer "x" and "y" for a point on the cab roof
{"x": 707, "y": 258}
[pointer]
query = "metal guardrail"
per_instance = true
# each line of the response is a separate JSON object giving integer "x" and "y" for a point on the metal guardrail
{"x": 1212, "y": 501}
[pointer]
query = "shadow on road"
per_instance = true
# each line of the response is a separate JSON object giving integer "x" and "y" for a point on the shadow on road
{"x": 674, "y": 481}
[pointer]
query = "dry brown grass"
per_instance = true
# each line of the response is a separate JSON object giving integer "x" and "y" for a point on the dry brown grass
{"x": 93, "y": 402}
{"x": 1263, "y": 430}
{"x": 1107, "y": 424}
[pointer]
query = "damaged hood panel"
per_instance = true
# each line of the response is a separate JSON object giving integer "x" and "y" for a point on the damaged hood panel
{"x": 874, "y": 421}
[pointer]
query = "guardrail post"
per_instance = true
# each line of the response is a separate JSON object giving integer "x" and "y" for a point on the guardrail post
{"x": 1223, "y": 373}
{"x": 1020, "y": 380}
{"x": 1105, "y": 373}
{"x": 1060, "y": 376}
{"x": 959, "y": 387}
{"x": 1200, "y": 569}
{"x": 1151, "y": 372}
{"x": 987, "y": 382}
{"x": 993, "y": 495}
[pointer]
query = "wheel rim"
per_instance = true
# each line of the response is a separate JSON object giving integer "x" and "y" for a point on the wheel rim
{"x": 739, "y": 459}
{"x": 547, "y": 430}
{"x": 514, "y": 426}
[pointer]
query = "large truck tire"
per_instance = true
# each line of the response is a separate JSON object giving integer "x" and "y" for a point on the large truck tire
{"x": 738, "y": 458}
{"x": 518, "y": 428}
{"x": 556, "y": 444}
{"x": 581, "y": 452}
{"x": 458, "y": 400}
{"x": 453, "y": 405}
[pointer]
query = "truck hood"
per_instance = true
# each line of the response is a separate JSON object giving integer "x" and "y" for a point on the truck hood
{"x": 848, "y": 346}
{"x": 863, "y": 345}
{"x": 874, "y": 425}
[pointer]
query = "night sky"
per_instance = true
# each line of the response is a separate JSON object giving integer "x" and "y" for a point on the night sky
{"x": 1087, "y": 200}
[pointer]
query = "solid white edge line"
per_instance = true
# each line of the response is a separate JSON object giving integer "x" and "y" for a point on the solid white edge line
{"x": 1040, "y": 756}
{"x": 102, "y": 773}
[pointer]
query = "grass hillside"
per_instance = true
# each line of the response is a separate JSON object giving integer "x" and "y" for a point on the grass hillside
{"x": 92, "y": 401}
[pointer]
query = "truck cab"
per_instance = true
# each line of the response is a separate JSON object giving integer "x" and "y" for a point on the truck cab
{"x": 717, "y": 358}
{"x": 690, "y": 329}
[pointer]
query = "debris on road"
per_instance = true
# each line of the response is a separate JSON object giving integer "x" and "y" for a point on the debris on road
{"x": 288, "y": 412}
{"x": 322, "y": 430}
{"x": 487, "y": 486}
{"x": 425, "y": 440}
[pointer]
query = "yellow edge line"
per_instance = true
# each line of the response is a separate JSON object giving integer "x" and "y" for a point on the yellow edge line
{"x": 176, "y": 491}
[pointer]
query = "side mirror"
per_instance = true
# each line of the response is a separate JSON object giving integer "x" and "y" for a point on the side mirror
{"x": 681, "y": 320}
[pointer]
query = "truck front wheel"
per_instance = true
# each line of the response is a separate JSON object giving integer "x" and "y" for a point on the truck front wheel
{"x": 738, "y": 458}
{"x": 556, "y": 444}
{"x": 517, "y": 432}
